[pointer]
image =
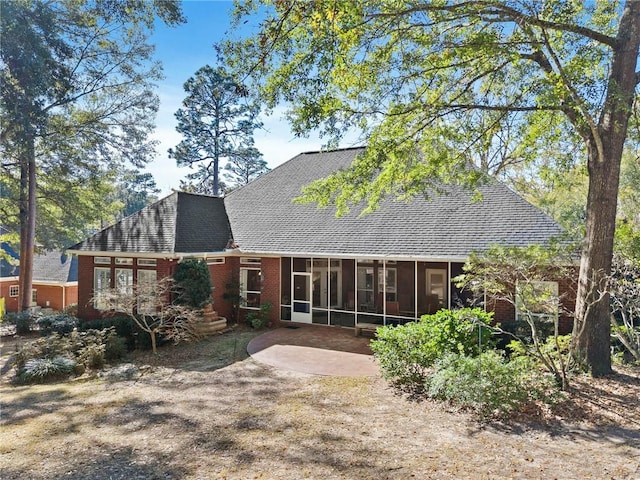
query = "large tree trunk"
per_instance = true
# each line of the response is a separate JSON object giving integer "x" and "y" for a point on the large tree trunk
{"x": 27, "y": 222}
{"x": 592, "y": 322}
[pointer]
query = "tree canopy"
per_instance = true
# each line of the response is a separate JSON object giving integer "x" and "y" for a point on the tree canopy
{"x": 427, "y": 82}
{"x": 217, "y": 123}
{"x": 76, "y": 102}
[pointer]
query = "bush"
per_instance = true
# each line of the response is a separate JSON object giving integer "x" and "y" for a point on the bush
{"x": 260, "y": 318}
{"x": 24, "y": 321}
{"x": 488, "y": 384}
{"x": 89, "y": 349}
{"x": 192, "y": 283}
{"x": 126, "y": 328}
{"x": 61, "y": 323}
{"x": 407, "y": 352}
{"x": 43, "y": 369}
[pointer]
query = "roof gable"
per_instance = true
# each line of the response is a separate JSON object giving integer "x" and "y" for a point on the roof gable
{"x": 179, "y": 223}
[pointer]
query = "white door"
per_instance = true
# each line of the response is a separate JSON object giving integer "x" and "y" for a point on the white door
{"x": 301, "y": 311}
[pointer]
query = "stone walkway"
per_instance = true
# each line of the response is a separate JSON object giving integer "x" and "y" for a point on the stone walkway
{"x": 315, "y": 350}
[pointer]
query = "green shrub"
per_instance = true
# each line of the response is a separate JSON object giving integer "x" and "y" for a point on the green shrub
{"x": 192, "y": 283}
{"x": 126, "y": 328}
{"x": 88, "y": 350}
{"x": 115, "y": 348}
{"x": 44, "y": 369}
{"x": 259, "y": 318}
{"x": 488, "y": 384}
{"x": 61, "y": 323}
{"x": 24, "y": 321}
{"x": 407, "y": 352}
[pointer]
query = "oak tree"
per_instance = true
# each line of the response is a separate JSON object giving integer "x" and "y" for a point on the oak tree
{"x": 403, "y": 72}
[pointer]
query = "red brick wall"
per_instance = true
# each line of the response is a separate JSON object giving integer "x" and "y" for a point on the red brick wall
{"x": 221, "y": 274}
{"x": 11, "y": 303}
{"x": 85, "y": 289}
{"x": 271, "y": 287}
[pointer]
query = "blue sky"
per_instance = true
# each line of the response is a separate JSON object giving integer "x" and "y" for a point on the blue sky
{"x": 183, "y": 50}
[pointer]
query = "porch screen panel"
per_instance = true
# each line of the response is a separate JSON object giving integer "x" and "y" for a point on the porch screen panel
{"x": 406, "y": 289}
{"x": 285, "y": 288}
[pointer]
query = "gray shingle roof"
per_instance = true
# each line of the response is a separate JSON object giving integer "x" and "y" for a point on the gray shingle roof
{"x": 55, "y": 266}
{"x": 264, "y": 219}
{"x": 180, "y": 223}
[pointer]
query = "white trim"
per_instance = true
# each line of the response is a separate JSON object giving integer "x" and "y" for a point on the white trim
{"x": 387, "y": 257}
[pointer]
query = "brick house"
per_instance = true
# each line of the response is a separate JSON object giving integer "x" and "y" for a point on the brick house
{"x": 55, "y": 280}
{"x": 390, "y": 266}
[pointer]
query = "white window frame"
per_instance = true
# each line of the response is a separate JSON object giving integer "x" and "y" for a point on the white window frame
{"x": 147, "y": 262}
{"x": 146, "y": 301}
{"x": 124, "y": 261}
{"x": 125, "y": 288}
{"x": 250, "y": 260}
{"x": 553, "y": 289}
{"x": 14, "y": 290}
{"x": 99, "y": 302}
{"x": 216, "y": 260}
{"x": 244, "y": 272}
{"x": 102, "y": 260}
{"x": 34, "y": 297}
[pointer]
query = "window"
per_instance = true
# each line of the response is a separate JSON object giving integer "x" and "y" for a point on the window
{"x": 102, "y": 260}
{"x": 250, "y": 287}
{"x": 437, "y": 288}
{"x": 101, "y": 286}
{"x": 250, "y": 261}
{"x": 366, "y": 301}
{"x": 124, "y": 261}
{"x": 123, "y": 287}
{"x": 14, "y": 290}
{"x": 34, "y": 297}
{"x": 389, "y": 284}
{"x": 537, "y": 300}
{"x": 215, "y": 260}
{"x": 147, "y": 262}
{"x": 146, "y": 294}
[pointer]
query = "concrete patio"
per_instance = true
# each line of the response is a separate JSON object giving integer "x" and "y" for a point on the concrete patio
{"x": 315, "y": 350}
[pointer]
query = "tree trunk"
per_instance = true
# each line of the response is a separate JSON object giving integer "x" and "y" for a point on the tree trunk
{"x": 27, "y": 222}
{"x": 592, "y": 323}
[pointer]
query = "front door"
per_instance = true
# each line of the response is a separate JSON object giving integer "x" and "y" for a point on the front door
{"x": 301, "y": 311}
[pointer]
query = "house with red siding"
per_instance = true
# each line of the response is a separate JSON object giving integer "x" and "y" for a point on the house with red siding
{"x": 55, "y": 280}
{"x": 387, "y": 267}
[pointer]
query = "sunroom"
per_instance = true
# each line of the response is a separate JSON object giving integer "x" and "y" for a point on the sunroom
{"x": 351, "y": 291}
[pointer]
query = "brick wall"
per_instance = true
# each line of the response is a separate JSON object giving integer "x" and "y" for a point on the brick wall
{"x": 221, "y": 275}
{"x": 164, "y": 268}
{"x": 271, "y": 287}
{"x": 11, "y": 303}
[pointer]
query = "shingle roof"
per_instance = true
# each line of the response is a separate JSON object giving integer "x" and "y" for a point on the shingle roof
{"x": 55, "y": 266}
{"x": 265, "y": 220}
{"x": 179, "y": 223}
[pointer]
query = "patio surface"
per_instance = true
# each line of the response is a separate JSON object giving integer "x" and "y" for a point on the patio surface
{"x": 315, "y": 350}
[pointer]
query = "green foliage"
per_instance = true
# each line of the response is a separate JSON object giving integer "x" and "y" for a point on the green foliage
{"x": 77, "y": 82}
{"x": 407, "y": 352}
{"x": 61, "y": 323}
{"x": 216, "y": 99}
{"x": 133, "y": 336}
{"x": 38, "y": 370}
{"x": 89, "y": 349}
{"x": 24, "y": 321}
{"x": 624, "y": 299}
{"x": 193, "y": 284}
{"x": 260, "y": 318}
{"x": 488, "y": 384}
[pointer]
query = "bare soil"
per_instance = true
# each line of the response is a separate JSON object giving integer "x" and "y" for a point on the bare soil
{"x": 206, "y": 411}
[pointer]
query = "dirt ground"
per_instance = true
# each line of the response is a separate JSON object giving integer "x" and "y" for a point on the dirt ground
{"x": 205, "y": 411}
